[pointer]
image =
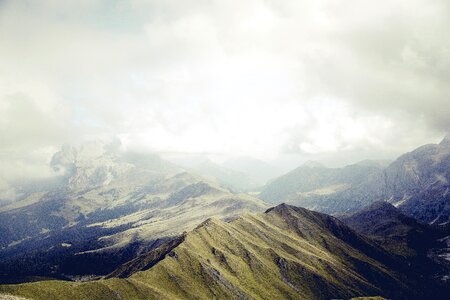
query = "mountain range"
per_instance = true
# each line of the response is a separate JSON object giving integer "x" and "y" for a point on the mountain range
{"x": 107, "y": 205}
{"x": 127, "y": 225}
{"x": 417, "y": 183}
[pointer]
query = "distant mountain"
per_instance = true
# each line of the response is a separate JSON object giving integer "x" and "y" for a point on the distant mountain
{"x": 259, "y": 172}
{"x": 107, "y": 207}
{"x": 417, "y": 183}
{"x": 313, "y": 180}
{"x": 284, "y": 253}
{"x": 241, "y": 174}
{"x": 232, "y": 179}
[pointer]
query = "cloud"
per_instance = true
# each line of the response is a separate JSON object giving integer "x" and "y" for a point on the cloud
{"x": 258, "y": 78}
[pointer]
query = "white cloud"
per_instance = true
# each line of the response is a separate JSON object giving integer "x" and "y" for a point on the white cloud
{"x": 234, "y": 77}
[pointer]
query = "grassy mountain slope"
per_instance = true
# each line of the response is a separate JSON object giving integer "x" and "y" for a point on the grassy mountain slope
{"x": 285, "y": 253}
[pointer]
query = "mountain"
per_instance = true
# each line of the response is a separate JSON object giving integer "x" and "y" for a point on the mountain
{"x": 422, "y": 245}
{"x": 232, "y": 179}
{"x": 417, "y": 183}
{"x": 107, "y": 208}
{"x": 312, "y": 180}
{"x": 284, "y": 253}
{"x": 239, "y": 173}
{"x": 259, "y": 172}
{"x": 392, "y": 229}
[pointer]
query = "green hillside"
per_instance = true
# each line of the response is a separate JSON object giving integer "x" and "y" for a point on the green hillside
{"x": 284, "y": 253}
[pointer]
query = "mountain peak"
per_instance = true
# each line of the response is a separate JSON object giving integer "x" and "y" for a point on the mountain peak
{"x": 382, "y": 205}
{"x": 378, "y": 209}
{"x": 292, "y": 214}
{"x": 223, "y": 262}
{"x": 283, "y": 207}
{"x": 446, "y": 140}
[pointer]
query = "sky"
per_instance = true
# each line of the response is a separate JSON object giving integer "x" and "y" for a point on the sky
{"x": 329, "y": 79}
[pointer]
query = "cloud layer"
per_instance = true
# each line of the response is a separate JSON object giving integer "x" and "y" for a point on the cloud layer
{"x": 259, "y": 78}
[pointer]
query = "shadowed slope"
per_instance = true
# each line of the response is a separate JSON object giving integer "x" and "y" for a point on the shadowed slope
{"x": 400, "y": 234}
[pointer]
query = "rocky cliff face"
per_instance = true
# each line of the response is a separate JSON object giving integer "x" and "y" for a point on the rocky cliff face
{"x": 418, "y": 183}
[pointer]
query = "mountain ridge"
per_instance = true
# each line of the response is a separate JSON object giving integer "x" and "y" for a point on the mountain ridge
{"x": 303, "y": 254}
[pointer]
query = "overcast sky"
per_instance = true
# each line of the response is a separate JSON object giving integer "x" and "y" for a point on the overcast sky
{"x": 344, "y": 80}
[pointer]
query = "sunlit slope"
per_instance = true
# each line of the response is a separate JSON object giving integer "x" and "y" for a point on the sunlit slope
{"x": 286, "y": 252}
